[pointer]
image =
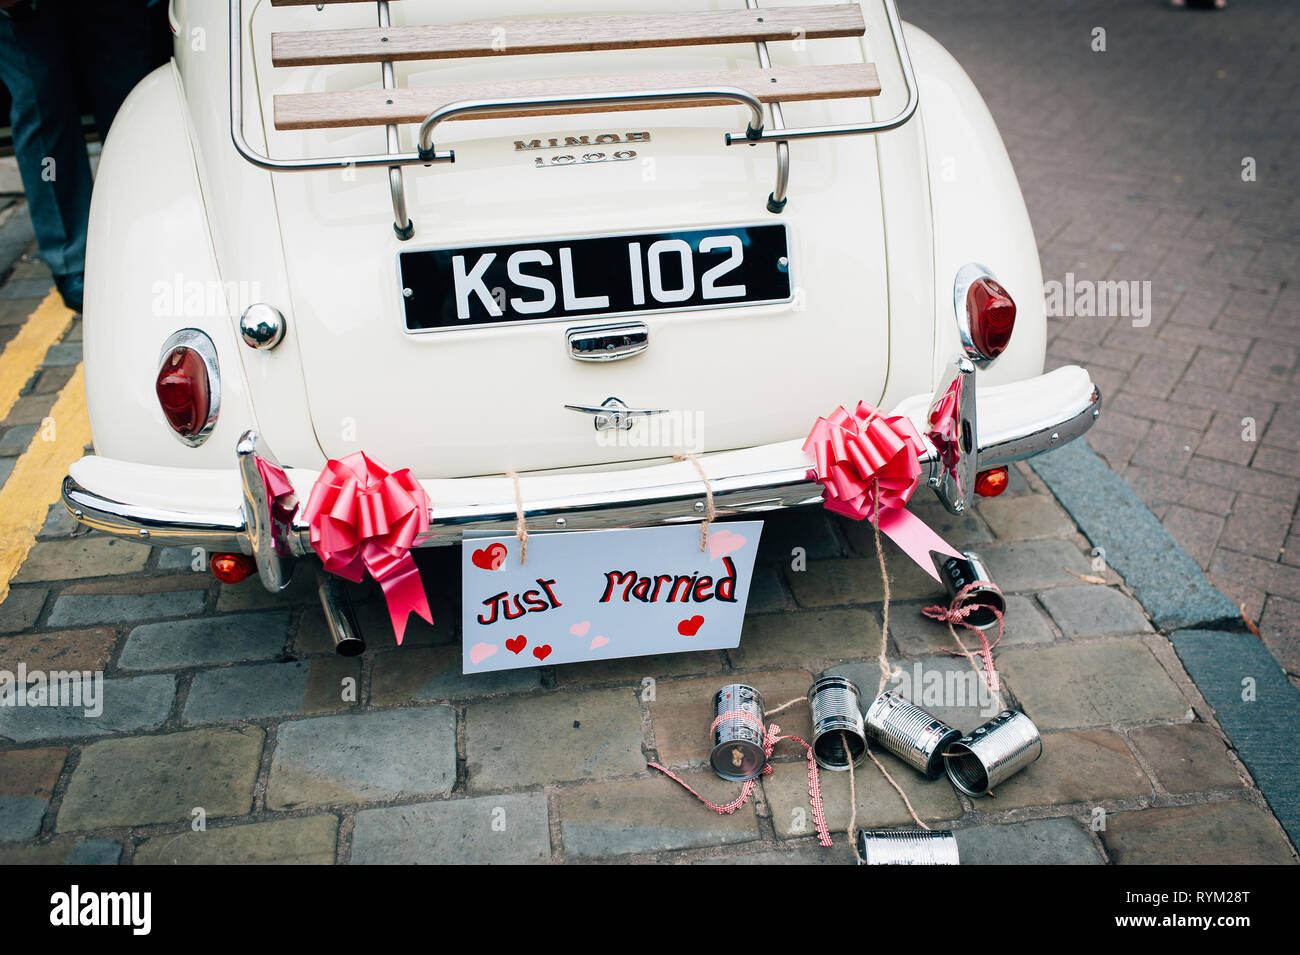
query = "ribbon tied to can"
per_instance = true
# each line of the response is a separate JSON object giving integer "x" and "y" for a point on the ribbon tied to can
{"x": 869, "y": 466}
{"x": 956, "y": 613}
{"x": 365, "y": 518}
{"x": 771, "y": 736}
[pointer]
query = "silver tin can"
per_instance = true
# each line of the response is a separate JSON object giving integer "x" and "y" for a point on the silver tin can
{"x": 738, "y": 752}
{"x": 836, "y": 709}
{"x": 959, "y": 573}
{"x": 915, "y": 736}
{"x": 993, "y": 753}
{"x": 907, "y": 847}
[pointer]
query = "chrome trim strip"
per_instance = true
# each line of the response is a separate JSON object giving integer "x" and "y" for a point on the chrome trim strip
{"x": 214, "y": 531}
{"x": 1019, "y": 447}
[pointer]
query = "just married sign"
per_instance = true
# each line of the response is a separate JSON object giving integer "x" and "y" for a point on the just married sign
{"x": 600, "y": 595}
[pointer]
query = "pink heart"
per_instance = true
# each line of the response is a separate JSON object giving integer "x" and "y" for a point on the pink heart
{"x": 599, "y": 642}
{"x": 722, "y": 543}
{"x": 580, "y": 629}
{"x": 481, "y": 651}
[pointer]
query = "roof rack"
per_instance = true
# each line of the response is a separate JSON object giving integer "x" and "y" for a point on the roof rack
{"x": 391, "y": 106}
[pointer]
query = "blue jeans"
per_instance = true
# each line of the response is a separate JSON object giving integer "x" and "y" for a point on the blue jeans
{"x": 48, "y": 52}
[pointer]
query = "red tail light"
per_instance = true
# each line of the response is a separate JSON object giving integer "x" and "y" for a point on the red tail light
{"x": 184, "y": 391}
{"x": 231, "y": 568}
{"x": 992, "y": 482}
{"x": 992, "y": 316}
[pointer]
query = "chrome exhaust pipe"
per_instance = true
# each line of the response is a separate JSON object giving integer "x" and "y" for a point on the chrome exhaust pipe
{"x": 337, "y": 605}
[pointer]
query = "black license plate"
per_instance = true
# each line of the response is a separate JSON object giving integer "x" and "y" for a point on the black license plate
{"x": 593, "y": 277}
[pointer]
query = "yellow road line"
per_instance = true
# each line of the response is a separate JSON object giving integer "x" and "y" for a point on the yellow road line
{"x": 26, "y": 350}
{"x": 38, "y": 476}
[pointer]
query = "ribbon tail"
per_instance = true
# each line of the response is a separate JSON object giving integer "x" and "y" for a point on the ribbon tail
{"x": 404, "y": 592}
{"x": 915, "y": 537}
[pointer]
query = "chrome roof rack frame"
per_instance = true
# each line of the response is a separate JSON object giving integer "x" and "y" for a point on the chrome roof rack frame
{"x": 427, "y": 154}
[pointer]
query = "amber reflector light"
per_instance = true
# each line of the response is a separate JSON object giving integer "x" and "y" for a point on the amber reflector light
{"x": 231, "y": 568}
{"x": 992, "y": 482}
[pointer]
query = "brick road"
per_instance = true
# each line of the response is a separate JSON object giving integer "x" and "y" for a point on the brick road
{"x": 1131, "y": 164}
{"x": 228, "y": 706}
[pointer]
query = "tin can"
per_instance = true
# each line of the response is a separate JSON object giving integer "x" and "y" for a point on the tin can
{"x": 738, "y": 752}
{"x": 959, "y": 573}
{"x": 993, "y": 753}
{"x": 915, "y": 736}
{"x": 907, "y": 847}
{"x": 836, "y": 709}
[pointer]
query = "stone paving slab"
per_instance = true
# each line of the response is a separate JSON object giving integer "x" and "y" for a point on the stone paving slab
{"x": 531, "y": 740}
{"x": 1094, "y": 611}
{"x": 27, "y": 780}
{"x": 82, "y": 557}
{"x": 228, "y": 638}
{"x": 128, "y": 704}
{"x": 363, "y": 757}
{"x": 650, "y": 815}
{"x": 273, "y": 689}
{"x": 21, "y": 608}
{"x": 162, "y": 779}
{"x": 1187, "y": 758}
{"x": 1232, "y": 832}
{"x": 1257, "y": 707}
{"x": 776, "y": 639}
{"x": 421, "y": 674}
{"x": 1035, "y": 842}
{"x": 59, "y": 650}
{"x": 304, "y": 841}
{"x": 1077, "y": 766}
{"x": 63, "y": 852}
{"x": 493, "y": 830}
{"x": 1092, "y": 684}
{"x": 83, "y": 610}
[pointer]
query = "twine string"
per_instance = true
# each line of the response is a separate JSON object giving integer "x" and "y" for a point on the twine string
{"x": 708, "y": 497}
{"x": 521, "y": 529}
{"x": 955, "y": 615}
{"x": 885, "y": 670}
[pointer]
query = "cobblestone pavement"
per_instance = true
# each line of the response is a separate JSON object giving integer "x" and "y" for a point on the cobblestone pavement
{"x": 230, "y": 731}
{"x": 1131, "y": 161}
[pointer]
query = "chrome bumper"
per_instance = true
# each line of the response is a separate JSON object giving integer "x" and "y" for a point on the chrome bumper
{"x": 248, "y": 528}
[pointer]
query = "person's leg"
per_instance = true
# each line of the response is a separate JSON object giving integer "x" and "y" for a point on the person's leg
{"x": 116, "y": 43}
{"x": 48, "y": 143}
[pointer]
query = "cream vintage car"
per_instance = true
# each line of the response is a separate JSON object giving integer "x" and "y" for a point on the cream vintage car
{"x": 567, "y": 240}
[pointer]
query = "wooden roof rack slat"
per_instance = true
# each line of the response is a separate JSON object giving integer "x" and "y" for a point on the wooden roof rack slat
{"x": 412, "y": 104}
{"x": 566, "y": 35}
{"x": 303, "y": 3}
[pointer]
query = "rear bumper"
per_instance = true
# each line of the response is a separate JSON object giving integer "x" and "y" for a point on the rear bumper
{"x": 219, "y": 510}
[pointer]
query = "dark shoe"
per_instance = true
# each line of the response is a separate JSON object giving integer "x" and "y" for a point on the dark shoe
{"x": 69, "y": 287}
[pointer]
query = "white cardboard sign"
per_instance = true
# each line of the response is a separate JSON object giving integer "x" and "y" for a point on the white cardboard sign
{"x": 601, "y": 595}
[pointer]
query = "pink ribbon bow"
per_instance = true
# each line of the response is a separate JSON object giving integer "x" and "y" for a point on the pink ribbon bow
{"x": 868, "y": 466}
{"x": 365, "y": 518}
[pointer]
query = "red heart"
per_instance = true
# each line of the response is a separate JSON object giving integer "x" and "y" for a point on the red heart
{"x": 542, "y": 652}
{"x": 689, "y": 628}
{"x": 492, "y": 557}
{"x": 517, "y": 644}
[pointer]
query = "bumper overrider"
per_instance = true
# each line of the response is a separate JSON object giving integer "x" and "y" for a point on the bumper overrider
{"x": 229, "y": 511}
